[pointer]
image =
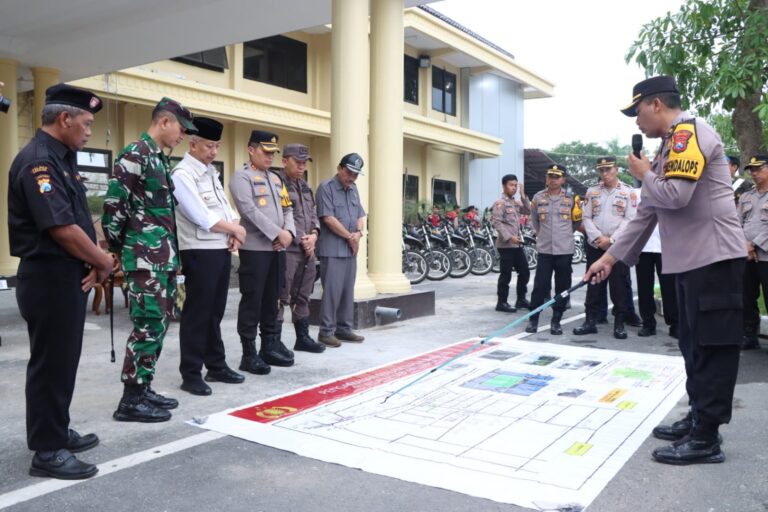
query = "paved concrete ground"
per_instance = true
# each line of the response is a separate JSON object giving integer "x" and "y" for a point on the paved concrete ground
{"x": 231, "y": 474}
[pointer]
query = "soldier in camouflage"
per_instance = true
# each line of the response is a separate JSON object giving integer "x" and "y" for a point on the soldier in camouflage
{"x": 139, "y": 226}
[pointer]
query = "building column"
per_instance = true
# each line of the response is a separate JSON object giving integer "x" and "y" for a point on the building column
{"x": 44, "y": 78}
{"x": 386, "y": 166}
{"x": 349, "y": 106}
{"x": 9, "y": 146}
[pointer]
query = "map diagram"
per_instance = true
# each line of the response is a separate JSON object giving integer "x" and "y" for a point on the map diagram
{"x": 534, "y": 424}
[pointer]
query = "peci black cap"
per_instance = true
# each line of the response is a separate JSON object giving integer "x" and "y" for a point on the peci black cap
{"x": 353, "y": 162}
{"x": 654, "y": 85}
{"x": 208, "y": 129}
{"x": 267, "y": 140}
{"x": 556, "y": 170}
{"x": 734, "y": 160}
{"x": 183, "y": 115}
{"x": 63, "y": 94}
{"x": 756, "y": 162}
{"x": 605, "y": 161}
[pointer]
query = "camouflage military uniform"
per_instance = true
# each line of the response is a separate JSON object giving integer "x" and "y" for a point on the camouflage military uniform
{"x": 139, "y": 225}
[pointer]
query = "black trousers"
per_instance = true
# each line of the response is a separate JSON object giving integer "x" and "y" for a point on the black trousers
{"x": 650, "y": 263}
{"x": 53, "y": 305}
{"x": 596, "y": 293}
{"x": 206, "y": 281}
{"x": 755, "y": 277}
{"x": 711, "y": 314}
{"x": 512, "y": 258}
{"x": 261, "y": 279}
{"x": 560, "y": 265}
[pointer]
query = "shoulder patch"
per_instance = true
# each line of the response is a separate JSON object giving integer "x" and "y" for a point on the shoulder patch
{"x": 39, "y": 168}
{"x": 44, "y": 185}
{"x": 686, "y": 160}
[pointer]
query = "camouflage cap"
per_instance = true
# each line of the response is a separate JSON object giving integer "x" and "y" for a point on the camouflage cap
{"x": 299, "y": 152}
{"x": 183, "y": 116}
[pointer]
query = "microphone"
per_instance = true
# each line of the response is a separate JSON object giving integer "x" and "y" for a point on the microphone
{"x": 637, "y": 144}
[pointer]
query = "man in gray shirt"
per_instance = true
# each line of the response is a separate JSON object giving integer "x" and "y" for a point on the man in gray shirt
{"x": 343, "y": 219}
{"x": 687, "y": 190}
{"x": 554, "y": 218}
{"x": 753, "y": 212}
{"x": 266, "y": 214}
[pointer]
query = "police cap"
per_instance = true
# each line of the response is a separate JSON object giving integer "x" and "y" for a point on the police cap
{"x": 756, "y": 162}
{"x": 267, "y": 140}
{"x": 299, "y": 152}
{"x": 556, "y": 170}
{"x": 352, "y": 162}
{"x": 654, "y": 85}
{"x": 605, "y": 162}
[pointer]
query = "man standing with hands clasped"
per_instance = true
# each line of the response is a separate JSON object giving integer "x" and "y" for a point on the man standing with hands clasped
{"x": 343, "y": 217}
{"x": 687, "y": 190}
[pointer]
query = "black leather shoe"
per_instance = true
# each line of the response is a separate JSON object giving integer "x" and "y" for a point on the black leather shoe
{"x": 140, "y": 410}
{"x": 159, "y": 400}
{"x": 533, "y": 326}
{"x": 588, "y": 327}
{"x": 673, "y": 331}
{"x": 226, "y": 375}
{"x": 523, "y": 304}
{"x": 618, "y": 330}
{"x": 676, "y": 430}
{"x": 504, "y": 307}
{"x": 62, "y": 465}
{"x": 554, "y": 326}
{"x": 196, "y": 387}
{"x": 77, "y": 443}
{"x": 633, "y": 320}
{"x": 254, "y": 364}
{"x": 690, "y": 451}
{"x": 646, "y": 331}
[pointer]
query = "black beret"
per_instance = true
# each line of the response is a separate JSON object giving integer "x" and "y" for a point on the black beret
{"x": 207, "y": 128}
{"x": 63, "y": 94}
{"x": 267, "y": 140}
{"x": 654, "y": 85}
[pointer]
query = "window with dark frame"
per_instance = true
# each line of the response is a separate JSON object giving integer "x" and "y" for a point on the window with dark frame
{"x": 411, "y": 80}
{"x": 411, "y": 188}
{"x": 443, "y": 192}
{"x": 214, "y": 59}
{"x": 276, "y": 60}
{"x": 95, "y": 169}
{"x": 443, "y": 91}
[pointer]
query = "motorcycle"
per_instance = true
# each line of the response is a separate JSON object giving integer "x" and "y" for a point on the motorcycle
{"x": 417, "y": 238}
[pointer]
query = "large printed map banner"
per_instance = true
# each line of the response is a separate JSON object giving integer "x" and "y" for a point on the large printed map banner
{"x": 534, "y": 424}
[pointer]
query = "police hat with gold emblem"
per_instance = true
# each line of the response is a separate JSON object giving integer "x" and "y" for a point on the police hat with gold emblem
{"x": 63, "y": 94}
{"x": 605, "y": 162}
{"x": 267, "y": 140}
{"x": 756, "y": 162}
{"x": 556, "y": 170}
{"x": 654, "y": 85}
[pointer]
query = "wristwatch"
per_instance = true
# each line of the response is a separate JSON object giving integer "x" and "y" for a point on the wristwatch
{"x": 611, "y": 240}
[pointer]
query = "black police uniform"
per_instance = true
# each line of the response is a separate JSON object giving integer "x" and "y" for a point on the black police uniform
{"x": 46, "y": 191}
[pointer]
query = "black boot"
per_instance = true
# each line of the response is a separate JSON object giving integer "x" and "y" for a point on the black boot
{"x": 588, "y": 327}
{"x": 554, "y": 325}
{"x": 504, "y": 307}
{"x": 251, "y": 362}
{"x": 304, "y": 341}
{"x": 676, "y": 430}
{"x": 533, "y": 324}
{"x": 523, "y": 304}
{"x": 618, "y": 328}
{"x": 273, "y": 352}
{"x": 749, "y": 341}
{"x": 133, "y": 406}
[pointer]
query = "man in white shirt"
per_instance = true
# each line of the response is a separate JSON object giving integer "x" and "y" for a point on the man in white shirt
{"x": 208, "y": 232}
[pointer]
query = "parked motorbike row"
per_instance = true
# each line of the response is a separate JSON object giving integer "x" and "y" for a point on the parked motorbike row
{"x": 436, "y": 252}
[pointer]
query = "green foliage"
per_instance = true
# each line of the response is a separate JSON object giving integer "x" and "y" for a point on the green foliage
{"x": 716, "y": 49}
{"x": 579, "y": 158}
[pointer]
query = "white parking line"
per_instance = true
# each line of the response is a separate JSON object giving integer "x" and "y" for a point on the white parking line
{"x": 106, "y": 468}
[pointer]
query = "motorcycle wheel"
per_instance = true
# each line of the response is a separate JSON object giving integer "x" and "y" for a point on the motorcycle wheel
{"x": 578, "y": 254}
{"x": 461, "y": 262}
{"x": 439, "y": 265}
{"x": 482, "y": 263}
{"x": 414, "y": 266}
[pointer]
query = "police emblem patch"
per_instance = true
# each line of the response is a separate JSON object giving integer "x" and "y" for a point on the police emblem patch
{"x": 680, "y": 140}
{"x": 44, "y": 184}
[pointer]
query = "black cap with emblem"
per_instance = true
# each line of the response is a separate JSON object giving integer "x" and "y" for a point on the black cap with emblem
{"x": 556, "y": 170}
{"x": 605, "y": 162}
{"x": 63, "y": 94}
{"x": 267, "y": 140}
{"x": 654, "y": 85}
{"x": 352, "y": 162}
{"x": 756, "y": 162}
